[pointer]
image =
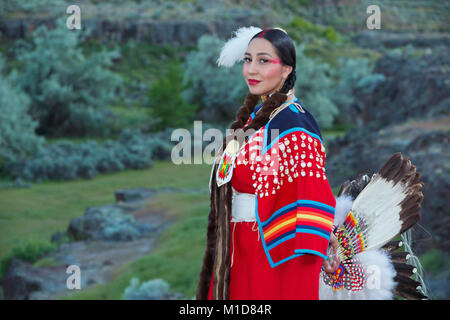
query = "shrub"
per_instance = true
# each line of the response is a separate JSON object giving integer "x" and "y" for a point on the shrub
{"x": 27, "y": 6}
{"x": 17, "y": 130}
{"x": 156, "y": 289}
{"x": 65, "y": 160}
{"x": 69, "y": 91}
{"x": 30, "y": 251}
{"x": 300, "y": 30}
{"x": 313, "y": 87}
{"x": 166, "y": 102}
{"x": 218, "y": 91}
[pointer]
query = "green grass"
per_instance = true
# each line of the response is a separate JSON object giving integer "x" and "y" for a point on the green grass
{"x": 47, "y": 262}
{"x": 34, "y": 214}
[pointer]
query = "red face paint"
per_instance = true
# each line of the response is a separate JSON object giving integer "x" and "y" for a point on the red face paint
{"x": 276, "y": 60}
{"x": 262, "y": 33}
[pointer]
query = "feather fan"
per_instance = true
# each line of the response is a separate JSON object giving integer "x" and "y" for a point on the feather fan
{"x": 370, "y": 212}
{"x": 386, "y": 207}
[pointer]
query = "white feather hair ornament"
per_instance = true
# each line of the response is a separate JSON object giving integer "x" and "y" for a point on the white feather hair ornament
{"x": 234, "y": 49}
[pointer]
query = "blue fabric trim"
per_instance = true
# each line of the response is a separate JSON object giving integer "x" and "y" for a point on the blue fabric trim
{"x": 252, "y": 115}
{"x": 293, "y": 108}
{"x": 266, "y": 250}
{"x": 263, "y": 241}
{"x": 303, "y": 203}
{"x": 298, "y": 252}
{"x": 292, "y": 124}
{"x": 272, "y": 244}
{"x": 291, "y": 234}
{"x": 265, "y": 148}
{"x": 280, "y": 239}
{"x": 317, "y": 253}
{"x": 312, "y": 231}
{"x": 286, "y": 259}
{"x": 304, "y": 226}
{"x": 323, "y": 206}
{"x": 279, "y": 213}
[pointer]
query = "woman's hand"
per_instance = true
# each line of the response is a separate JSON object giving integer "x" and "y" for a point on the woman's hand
{"x": 331, "y": 268}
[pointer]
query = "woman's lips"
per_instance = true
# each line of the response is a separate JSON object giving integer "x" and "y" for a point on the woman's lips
{"x": 252, "y": 82}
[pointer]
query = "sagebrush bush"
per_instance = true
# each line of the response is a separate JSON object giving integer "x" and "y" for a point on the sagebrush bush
{"x": 218, "y": 91}
{"x": 69, "y": 91}
{"x": 156, "y": 289}
{"x": 65, "y": 160}
{"x": 313, "y": 87}
{"x": 18, "y": 139}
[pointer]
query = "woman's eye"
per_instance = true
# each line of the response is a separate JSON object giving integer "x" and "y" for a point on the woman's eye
{"x": 260, "y": 60}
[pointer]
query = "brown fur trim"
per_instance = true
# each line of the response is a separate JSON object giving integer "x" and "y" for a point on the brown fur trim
{"x": 208, "y": 258}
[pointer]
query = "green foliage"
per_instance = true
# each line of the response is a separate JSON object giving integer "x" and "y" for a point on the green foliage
{"x": 299, "y": 29}
{"x": 129, "y": 117}
{"x": 47, "y": 262}
{"x": 25, "y": 5}
{"x": 434, "y": 261}
{"x": 69, "y": 91}
{"x": 17, "y": 130}
{"x": 65, "y": 160}
{"x": 31, "y": 251}
{"x": 167, "y": 105}
{"x": 313, "y": 87}
{"x": 156, "y": 289}
{"x": 219, "y": 91}
{"x": 140, "y": 65}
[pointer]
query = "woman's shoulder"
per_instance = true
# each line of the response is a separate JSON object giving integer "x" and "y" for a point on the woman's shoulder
{"x": 295, "y": 118}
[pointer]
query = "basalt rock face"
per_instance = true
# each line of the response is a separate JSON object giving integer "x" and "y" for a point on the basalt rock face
{"x": 152, "y": 32}
{"x": 415, "y": 87}
{"x": 374, "y": 40}
{"x": 408, "y": 112}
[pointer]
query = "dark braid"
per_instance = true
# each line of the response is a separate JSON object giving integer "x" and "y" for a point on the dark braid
{"x": 244, "y": 112}
{"x": 289, "y": 82}
{"x": 262, "y": 116}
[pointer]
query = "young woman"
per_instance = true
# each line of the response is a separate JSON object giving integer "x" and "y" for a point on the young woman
{"x": 272, "y": 209}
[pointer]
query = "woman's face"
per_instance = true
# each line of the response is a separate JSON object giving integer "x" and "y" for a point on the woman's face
{"x": 263, "y": 70}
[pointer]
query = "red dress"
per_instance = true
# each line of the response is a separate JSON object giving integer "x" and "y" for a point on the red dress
{"x": 258, "y": 270}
